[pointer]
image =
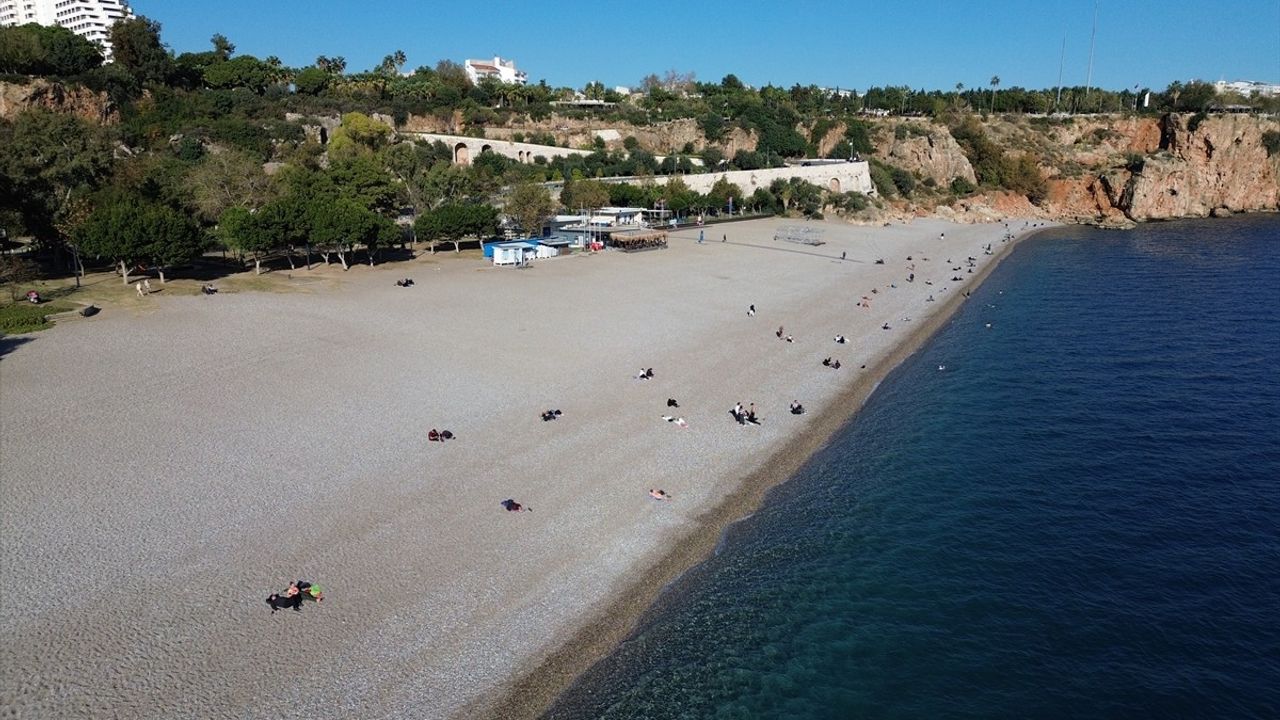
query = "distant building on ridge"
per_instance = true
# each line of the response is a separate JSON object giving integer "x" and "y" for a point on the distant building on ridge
{"x": 90, "y": 19}
{"x": 1247, "y": 88}
{"x": 501, "y": 70}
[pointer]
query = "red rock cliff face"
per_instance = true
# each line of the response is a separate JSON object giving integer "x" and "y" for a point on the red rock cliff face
{"x": 1220, "y": 164}
{"x": 83, "y": 103}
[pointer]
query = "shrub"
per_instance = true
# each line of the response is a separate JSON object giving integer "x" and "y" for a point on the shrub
{"x": 962, "y": 187}
{"x": 23, "y": 317}
{"x": 1195, "y": 121}
{"x": 883, "y": 180}
{"x": 1271, "y": 141}
{"x": 852, "y": 202}
{"x": 903, "y": 181}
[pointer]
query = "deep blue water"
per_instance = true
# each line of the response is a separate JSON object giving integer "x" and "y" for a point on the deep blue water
{"x": 1079, "y": 517}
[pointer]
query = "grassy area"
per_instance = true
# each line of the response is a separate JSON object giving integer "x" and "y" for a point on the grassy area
{"x": 23, "y": 317}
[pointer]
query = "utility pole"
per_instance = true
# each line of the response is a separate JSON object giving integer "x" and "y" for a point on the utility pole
{"x": 1061, "y": 59}
{"x": 1088, "y": 81}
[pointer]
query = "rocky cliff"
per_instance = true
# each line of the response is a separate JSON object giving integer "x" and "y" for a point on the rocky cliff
{"x": 92, "y": 106}
{"x": 1110, "y": 170}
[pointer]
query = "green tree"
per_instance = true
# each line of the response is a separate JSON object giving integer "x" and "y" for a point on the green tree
{"x": 136, "y": 46}
{"x": 579, "y": 194}
{"x": 358, "y": 133}
{"x": 130, "y": 229}
{"x": 454, "y": 222}
{"x": 222, "y": 47}
{"x": 678, "y": 196}
{"x": 45, "y": 50}
{"x": 720, "y": 192}
{"x": 287, "y": 222}
{"x": 530, "y": 204}
{"x": 245, "y": 71}
{"x": 311, "y": 81}
{"x": 47, "y": 160}
{"x": 342, "y": 224}
{"x": 238, "y": 230}
{"x": 364, "y": 179}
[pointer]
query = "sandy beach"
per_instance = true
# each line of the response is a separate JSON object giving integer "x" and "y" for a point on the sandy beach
{"x": 164, "y": 471}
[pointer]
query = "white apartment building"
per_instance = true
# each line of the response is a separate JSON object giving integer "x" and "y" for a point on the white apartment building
{"x": 503, "y": 70}
{"x": 90, "y": 19}
{"x": 1248, "y": 88}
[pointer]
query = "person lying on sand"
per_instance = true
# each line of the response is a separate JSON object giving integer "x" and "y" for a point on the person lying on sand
{"x": 280, "y": 602}
{"x": 679, "y": 421}
{"x": 671, "y": 402}
{"x": 513, "y": 506}
{"x": 308, "y": 590}
{"x": 550, "y": 415}
{"x": 840, "y": 339}
{"x": 659, "y": 494}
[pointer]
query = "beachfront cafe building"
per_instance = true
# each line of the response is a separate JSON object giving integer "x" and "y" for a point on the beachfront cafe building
{"x": 599, "y": 226}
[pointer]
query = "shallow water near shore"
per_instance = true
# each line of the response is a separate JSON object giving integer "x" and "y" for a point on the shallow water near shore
{"x": 1073, "y": 511}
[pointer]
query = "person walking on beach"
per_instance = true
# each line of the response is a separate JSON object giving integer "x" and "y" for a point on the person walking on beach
{"x": 138, "y": 287}
{"x": 146, "y": 283}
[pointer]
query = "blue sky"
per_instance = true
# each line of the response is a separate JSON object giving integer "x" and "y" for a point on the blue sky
{"x": 931, "y": 44}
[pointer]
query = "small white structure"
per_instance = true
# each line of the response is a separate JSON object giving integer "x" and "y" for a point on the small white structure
{"x": 501, "y": 70}
{"x": 514, "y": 253}
{"x": 618, "y": 216}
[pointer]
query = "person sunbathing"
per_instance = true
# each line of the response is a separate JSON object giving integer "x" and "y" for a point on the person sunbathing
{"x": 308, "y": 590}
{"x": 513, "y": 506}
{"x": 434, "y": 436}
{"x": 280, "y": 602}
{"x": 659, "y": 494}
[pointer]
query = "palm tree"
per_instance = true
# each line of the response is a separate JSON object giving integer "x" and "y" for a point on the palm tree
{"x": 995, "y": 83}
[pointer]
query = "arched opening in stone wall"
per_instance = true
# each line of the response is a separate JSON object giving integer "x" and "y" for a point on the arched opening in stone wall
{"x": 461, "y": 154}
{"x": 486, "y": 148}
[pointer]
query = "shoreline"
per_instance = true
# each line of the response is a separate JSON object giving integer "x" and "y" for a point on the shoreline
{"x": 500, "y": 600}
{"x": 536, "y": 690}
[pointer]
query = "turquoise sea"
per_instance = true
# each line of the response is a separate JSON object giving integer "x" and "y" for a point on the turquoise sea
{"x": 1079, "y": 517}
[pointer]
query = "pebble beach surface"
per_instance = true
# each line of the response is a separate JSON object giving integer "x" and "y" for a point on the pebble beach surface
{"x": 164, "y": 471}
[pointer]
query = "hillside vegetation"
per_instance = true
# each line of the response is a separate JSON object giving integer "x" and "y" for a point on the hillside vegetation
{"x": 156, "y": 158}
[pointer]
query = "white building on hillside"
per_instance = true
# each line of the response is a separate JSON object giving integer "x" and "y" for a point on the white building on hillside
{"x": 497, "y": 68}
{"x": 90, "y": 19}
{"x": 1248, "y": 88}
